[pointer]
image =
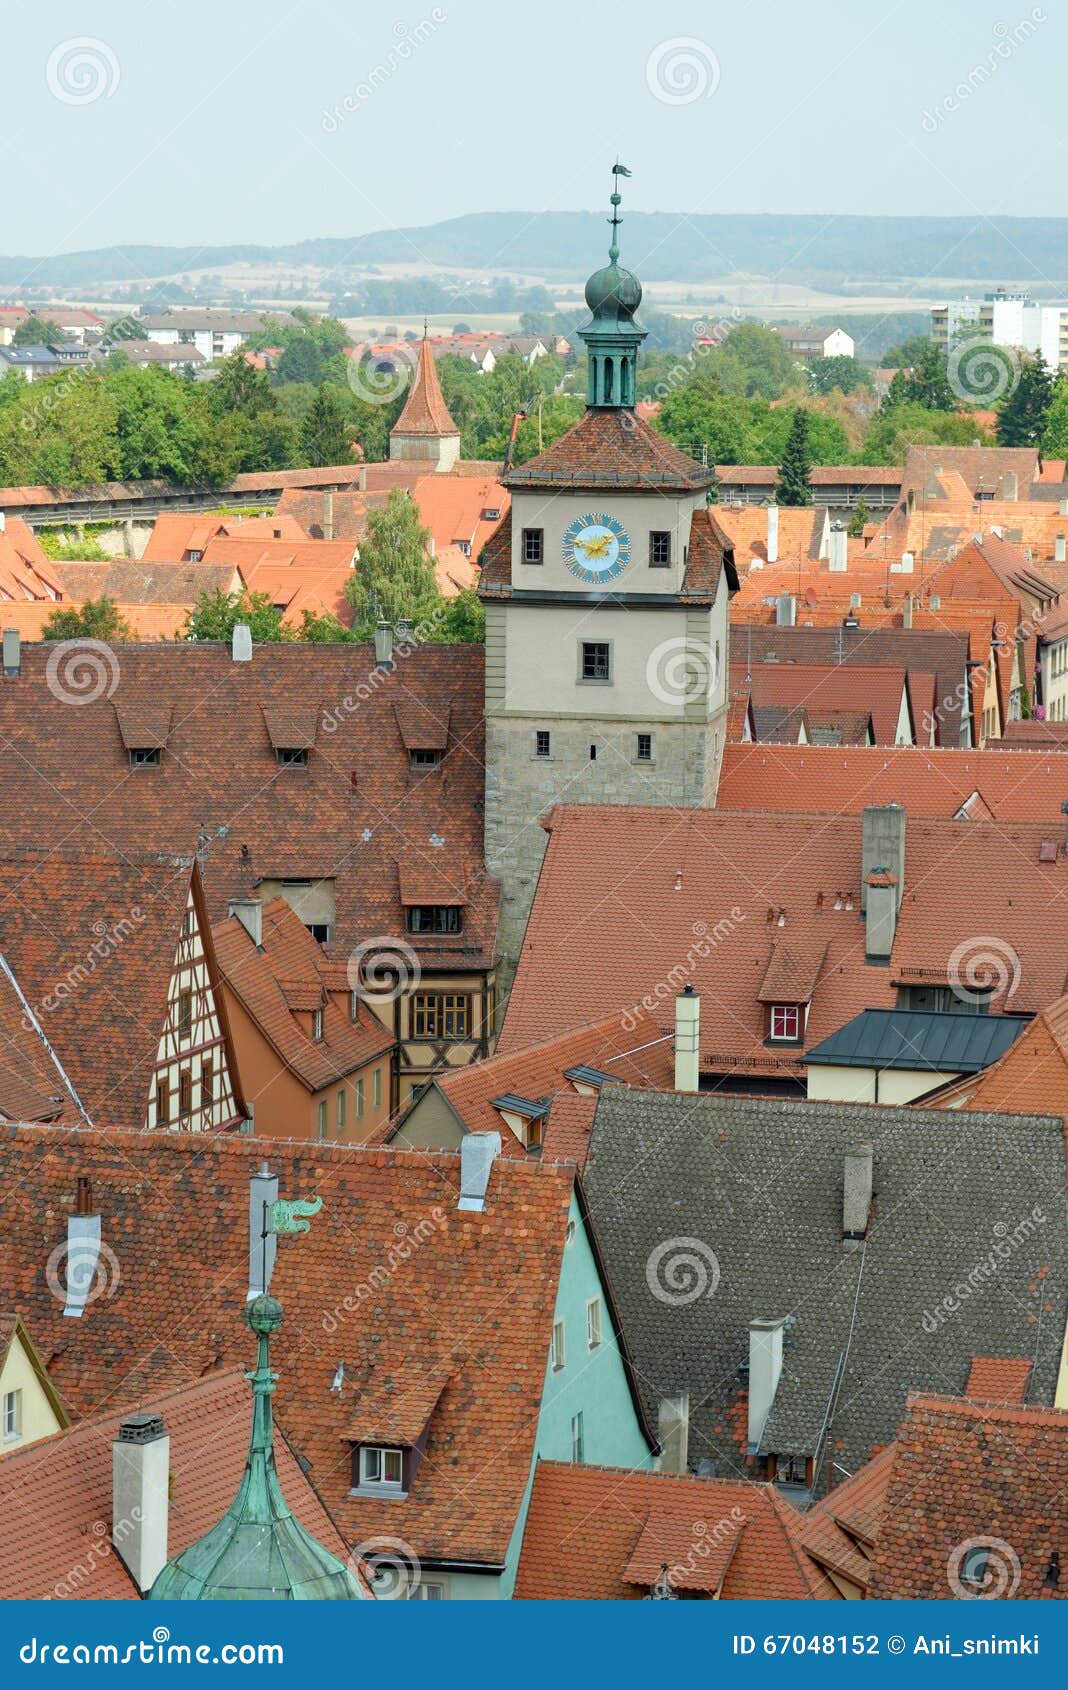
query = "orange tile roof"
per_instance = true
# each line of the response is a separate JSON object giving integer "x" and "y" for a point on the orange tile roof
{"x": 425, "y": 410}
{"x": 997, "y": 1379}
{"x": 1031, "y": 1078}
{"x": 293, "y": 589}
{"x": 974, "y": 1475}
{"x": 393, "y": 1281}
{"x": 826, "y": 691}
{"x": 629, "y": 898}
{"x": 565, "y": 1135}
{"x": 348, "y": 511}
{"x": 300, "y": 553}
{"x": 835, "y": 780}
{"x": 840, "y": 1530}
{"x": 604, "y": 1534}
{"x": 147, "y": 622}
{"x": 746, "y": 526}
{"x": 264, "y": 981}
{"x": 56, "y": 1493}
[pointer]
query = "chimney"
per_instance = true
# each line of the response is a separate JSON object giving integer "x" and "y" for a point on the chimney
{"x": 3, "y": 522}
{"x": 1009, "y": 486}
{"x": 856, "y": 1193}
{"x": 908, "y": 561}
{"x": 1062, "y": 507}
{"x": 838, "y": 549}
{"x": 881, "y": 919}
{"x": 12, "y": 651}
{"x": 140, "y": 1497}
{"x": 405, "y": 629}
{"x": 673, "y": 1431}
{"x": 785, "y": 611}
{"x": 773, "y": 534}
{"x": 83, "y": 1252}
{"x": 1058, "y": 557}
{"x": 478, "y": 1152}
{"x": 906, "y": 611}
{"x": 882, "y": 846}
{"x": 249, "y": 912}
{"x": 328, "y": 515}
{"x": 765, "y": 1370}
{"x": 687, "y": 1039}
{"x": 241, "y": 643}
{"x": 262, "y": 1193}
{"x": 384, "y": 645}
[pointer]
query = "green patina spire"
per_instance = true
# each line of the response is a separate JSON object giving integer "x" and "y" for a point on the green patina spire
{"x": 258, "y": 1551}
{"x": 612, "y": 337}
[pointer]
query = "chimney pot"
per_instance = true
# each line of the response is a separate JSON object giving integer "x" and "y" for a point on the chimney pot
{"x": 405, "y": 629}
{"x": 241, "y": 643}
{"x": 140, "y": 1497}
{"x": 478, "y": 1152}
{"x": 12, "y": 651}
{"x": 687, "y": 1039}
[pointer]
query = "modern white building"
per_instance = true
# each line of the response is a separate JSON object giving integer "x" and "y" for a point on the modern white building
{"x": 214, "y": 333}
{"x": 1004, "y": 319}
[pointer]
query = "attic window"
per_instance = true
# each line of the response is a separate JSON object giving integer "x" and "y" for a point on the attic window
{"x": 785, "y": 1023}
{"x": 292, "y": 757}
{"x": 424, "y": 759}
{"x": 381, "y": 1467}
{"x": 791, "y": 1470}
{"x": 145, "y": 757}
{"x": 435, "y": 918}
{"x": 490, "y": 514}
{"x": 317, "y": 1025}
{"x": 195, "y": 557}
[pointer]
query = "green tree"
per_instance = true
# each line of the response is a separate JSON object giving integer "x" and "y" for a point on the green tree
{"x": 845, "y": 374}
{"x": 394, "y": 577}
{"x": 699, "y": 415}
{"x": 323, "y": 628}
{"x": 859, "y": 520}
{"x": 96, "y": 619}
{"x": 1022, "y": 415}
{"x": 906, "y": 352}
{"x": 754, "y": 361}
{"x": 1055, "y": 432}
{"x": 894, "y": 429}
{"x": 325, "y": 433}
{"x": 771, "y": 430}
{"x": 215, "y": 615}
{"x": 34, "y": 331}
{"x": 926, "y": 383}
{"x": 792, "y": 487}
{"x": 463, "y": 621}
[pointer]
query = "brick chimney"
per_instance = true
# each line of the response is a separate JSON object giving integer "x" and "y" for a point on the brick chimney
{"x": 140, "y": 1497}
{"x": 687, "y": 1040}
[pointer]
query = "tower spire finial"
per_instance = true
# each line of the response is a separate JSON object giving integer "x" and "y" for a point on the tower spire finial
{"x": 615, "y": 220}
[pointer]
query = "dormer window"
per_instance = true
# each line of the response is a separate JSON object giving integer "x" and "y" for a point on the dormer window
{"x": 424, "y": 759}
{"x": 785, "y": 1023}
{"x": 491, "y": 514}
{"x": 317, "y": 1025}
{"x": 381, "y": 1468}
{"x": 145, "y": 757}
{"x": 435, "y": 918}
{"x": 292, "y": 757}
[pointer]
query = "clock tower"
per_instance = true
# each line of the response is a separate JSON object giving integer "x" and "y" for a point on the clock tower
{"x": 606, "y": 591}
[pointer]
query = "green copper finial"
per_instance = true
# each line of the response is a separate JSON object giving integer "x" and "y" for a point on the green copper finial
{"x": 258, "y": 1551}
{"x": 615, "y": 220}
{"x": 288, "y": 1214}
{"x": 612, "y": 336}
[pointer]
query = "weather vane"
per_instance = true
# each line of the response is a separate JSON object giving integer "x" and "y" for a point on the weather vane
{"x": 615, "y": 220}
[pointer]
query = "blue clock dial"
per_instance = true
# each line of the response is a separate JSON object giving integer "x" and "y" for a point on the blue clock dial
{"x": 596, "y": 548}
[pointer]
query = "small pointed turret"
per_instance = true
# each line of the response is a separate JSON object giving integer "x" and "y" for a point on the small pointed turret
{"x": 425, "y": 429}
{"x": 258, "y": 1551}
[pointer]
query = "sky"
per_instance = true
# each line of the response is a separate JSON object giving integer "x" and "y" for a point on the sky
{"x": 217, "y": 121}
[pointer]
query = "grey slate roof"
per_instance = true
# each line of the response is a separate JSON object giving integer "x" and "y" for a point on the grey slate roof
{"x": 914, "y": 1038}
{"x": 750, "y": 1193}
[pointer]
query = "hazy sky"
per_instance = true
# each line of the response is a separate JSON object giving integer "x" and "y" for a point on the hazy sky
{"x": 219, "y": 120}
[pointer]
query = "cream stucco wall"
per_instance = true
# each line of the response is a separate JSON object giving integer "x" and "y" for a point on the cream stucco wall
{"x": 832, "y": 1084}
{"x": 38, "y": 1417}
{"x": 641, "y": 514}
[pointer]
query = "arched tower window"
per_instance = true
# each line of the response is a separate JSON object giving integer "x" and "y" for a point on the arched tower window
{"x": 609, "y": 397}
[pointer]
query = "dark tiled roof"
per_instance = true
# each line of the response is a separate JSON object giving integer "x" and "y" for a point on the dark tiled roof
{"x": 611, "y": 449}
{"x": 759, "y": 1186}
{"x": 393, "y": 1281}
{"x": 352, "y": 815}
{"x": 912, "y": 1038}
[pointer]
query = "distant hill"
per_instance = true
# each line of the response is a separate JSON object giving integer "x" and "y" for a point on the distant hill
{"x": 819, "y": 251}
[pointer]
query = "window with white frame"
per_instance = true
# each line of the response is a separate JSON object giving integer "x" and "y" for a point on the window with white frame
{"x": 381, "y": 1467}
{"x": 593, "y": 1323}
{"x": 12, "y": 1415}
{"x": 427, "y": 1590}
{"x": 786, "y": 1021}
{"x": 559, "y": 1346}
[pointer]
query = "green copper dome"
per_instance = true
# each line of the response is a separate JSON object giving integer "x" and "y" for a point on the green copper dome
{"x": 612, "y": 336}
{"x": 613, "y": 293}
{"x": 258, "y": 1551}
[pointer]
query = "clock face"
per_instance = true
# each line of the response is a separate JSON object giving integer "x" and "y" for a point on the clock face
{"x": 596, "y": 548}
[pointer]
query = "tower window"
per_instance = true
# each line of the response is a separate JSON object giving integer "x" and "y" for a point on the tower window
{"x": 595, "y": 660}
{"x": 543, "y": 743}
{"x": 533, "y": 545}
{"x": 660, "y": 549}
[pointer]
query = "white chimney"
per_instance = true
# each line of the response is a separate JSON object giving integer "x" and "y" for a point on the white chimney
{"x": 906, "y": 611}
{"x": 838, "y": 549}
{"x": 3, "y": 522}
{"x": 140, "y": 1497}
{"x": 687, "y": 1039}
{"x": 907, "y": 562}
{"x": 765, "y": 1371}
{"x": 478, "y": 1152}
{"x": 1062, "y": 508}
{"x": 785, "y": 611}
{"x": 1058, "y": 552}
{"x": 249, "y": 912}
{"x": 83, "y": 1256}
{"x": 405, "y": 629}
{"x": 241, "y": 643}
{"x": 773, "y": 533}
{"x": 673, "y": 1432}
{"x": 12, "y": 651}
{"x": 1010, "y": 485}
{"x": 856, "y": 1193}
{"x": 328, "y": 515}
{"x": 383, "y": 644}
{"x": 262, "y": 1244}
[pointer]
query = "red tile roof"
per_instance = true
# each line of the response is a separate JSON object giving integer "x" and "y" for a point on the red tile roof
{"x": 610, "y": 449}
{"x": 968, "y": 1476}
{"x": 828, "y": 691}
{"x": 56, "y": 1493}
{"x": 634, "y": 902}
{"x": 841, "y": 1529}
{"x": 604, "y": 1534}
{"x": 287, "y": 970}
{"x": 393, "y": 1281}
{"x": 177, "y": 533}
{"x": 1032, "y": 1076}
{"x": 838, "y": 780}
{"x": 425, "y": 410}
{"x": 997, "y": 1379}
